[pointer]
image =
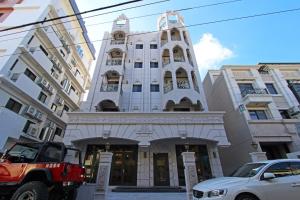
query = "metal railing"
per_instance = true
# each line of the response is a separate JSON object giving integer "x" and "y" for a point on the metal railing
{"x": 179, "y": 59}
{"x": 168, "y": 88}
{"x": 257, "y": 91}
{"x": 113, "y": 62}
{"x": 109, "y": 88}
{"x": 183, "y": 84}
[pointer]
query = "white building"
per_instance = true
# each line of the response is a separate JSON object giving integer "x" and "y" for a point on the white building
{"x": 147, "y": 104}
{"x": 262, "y": 110}
{"x": 43, "y": 72}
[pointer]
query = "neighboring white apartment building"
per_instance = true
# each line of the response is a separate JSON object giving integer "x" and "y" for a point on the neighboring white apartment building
{"x": 262, "y": 110}
{"x": 43, "y": 71}
{"x": 147, "y": 106}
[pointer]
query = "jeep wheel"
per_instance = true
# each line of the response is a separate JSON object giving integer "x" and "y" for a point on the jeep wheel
{"x": 31, "y": 191}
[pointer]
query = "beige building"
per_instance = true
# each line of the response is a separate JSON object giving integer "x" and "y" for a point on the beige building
{"x": 261, "y": 110}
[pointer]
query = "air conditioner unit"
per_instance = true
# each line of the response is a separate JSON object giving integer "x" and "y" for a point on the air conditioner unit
{"x": 39, "y": 115}
{"x": 55, "y": 75}
{"x": 50, "y": 124}
{"x": 33, "y": 131}
{"x": 295, "y": 110}
{"x": 30, "y": 110}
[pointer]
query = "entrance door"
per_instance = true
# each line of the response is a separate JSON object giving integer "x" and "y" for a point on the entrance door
{"x": 161, "y": 169}
{"x": 124, "y": 165}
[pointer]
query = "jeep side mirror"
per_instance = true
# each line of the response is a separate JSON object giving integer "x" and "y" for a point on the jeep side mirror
{"x": 268, "y": 176}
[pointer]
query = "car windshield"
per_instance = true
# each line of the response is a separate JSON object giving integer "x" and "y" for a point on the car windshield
{"x": 248, "y": 170}
{"x": 22, "y": 152}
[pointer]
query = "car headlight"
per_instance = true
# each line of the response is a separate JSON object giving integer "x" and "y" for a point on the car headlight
{"x": 217, "y": 193}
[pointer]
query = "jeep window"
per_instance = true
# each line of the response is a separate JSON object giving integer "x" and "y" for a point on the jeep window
{"x": 22, "y": 153}
{"x": 248, "y": 170}
{"x": 50, "y": 153}
{"x": 72, "y": 156}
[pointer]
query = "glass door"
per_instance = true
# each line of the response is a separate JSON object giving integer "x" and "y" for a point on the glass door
{"x": 161, "y": 169}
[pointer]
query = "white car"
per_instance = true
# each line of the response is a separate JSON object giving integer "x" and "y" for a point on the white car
{"x": 268, "y": 180}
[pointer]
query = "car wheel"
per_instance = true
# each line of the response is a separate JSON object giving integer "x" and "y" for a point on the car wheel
{"x": 246, "y": 197}
{"x": 34, "y": 190}
{"x": 72, "y": 194}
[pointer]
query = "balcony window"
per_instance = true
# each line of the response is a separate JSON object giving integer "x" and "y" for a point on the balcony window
{"x": 153, "y": 64}
{"x": 245, "y": 87}
{"x": 27, "y": 125}
{"x": 271, "y": 88}
{"x": 138, "y": 65}
{"x": 153, "y": 46}
{"x": 42, "y": 97}
{"x": 137, "y": 88}
{"x": 13, "y": 105}
{"x": 30, "y": 74}
{"x": 154, "y": 88}
{"x": 139, "y": 46}
{"x": 258, "y": 114}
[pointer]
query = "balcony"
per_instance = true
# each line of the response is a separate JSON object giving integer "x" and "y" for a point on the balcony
{"x": 26, "y": 84}
{"x": 179, "y": 59}
{"x": 168, "y": 88}
{"x": 273, "y": 130}
{"x": 14, "y": 125}
{"x": 183, "y": 84}
{"x": 255, "y": 97}
{"x": 117, "y": 42}
{"x": 74, "y": 97}
{"x": 109, "y": 88}
{"x": 113, "y": 62}
{"x": 65, "y": 45}
{"x": 42, "y": 59}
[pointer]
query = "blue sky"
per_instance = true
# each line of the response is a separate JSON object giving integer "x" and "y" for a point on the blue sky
{"x": 274, "y": 38}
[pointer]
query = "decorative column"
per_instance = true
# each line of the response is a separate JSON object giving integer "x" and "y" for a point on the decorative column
{"x": 190, "y": 173}
{"x": 103, "y": 175}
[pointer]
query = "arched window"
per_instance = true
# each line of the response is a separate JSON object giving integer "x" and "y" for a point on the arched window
{"x": 182, "y": 79}
{"x": 164, "y": 38}
{"x": 166, "y": 57}
{"x": 168, "y": 82}
{"x": 110, "y": 82}
{"x": 107, "y": 106}
{"x": 178, "y": 54}
{"x": 118, "y": 38}
{"x": 114, "y": 57}
{"x": 175, "y": 35}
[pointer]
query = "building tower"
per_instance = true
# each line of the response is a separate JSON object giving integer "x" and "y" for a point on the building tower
{"x": 146, "y": 101}
{"x": 44, "y": 69}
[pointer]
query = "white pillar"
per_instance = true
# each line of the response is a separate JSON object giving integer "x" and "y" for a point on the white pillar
{"x": 190, "y": 173}
{"x": 103, "y": 175}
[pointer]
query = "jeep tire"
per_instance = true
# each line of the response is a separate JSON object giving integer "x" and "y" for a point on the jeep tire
{"x": 32, "y": 190}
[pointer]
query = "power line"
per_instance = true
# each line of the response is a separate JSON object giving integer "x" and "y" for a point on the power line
{"x": 143, "y": 5}
{"x": 137, "y": 17}
{"x": 72, "y": 15}
{"x": 192, "y": 25}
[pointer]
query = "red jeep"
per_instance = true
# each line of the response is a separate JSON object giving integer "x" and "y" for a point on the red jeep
{"x": 40, "y": 171}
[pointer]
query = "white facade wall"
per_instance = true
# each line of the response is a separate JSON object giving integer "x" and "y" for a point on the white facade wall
{"x": 23, "y": 51}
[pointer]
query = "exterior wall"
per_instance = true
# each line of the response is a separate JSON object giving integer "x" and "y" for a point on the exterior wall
{"x": 21, "y": 52}
{"x": 223, "y": 93}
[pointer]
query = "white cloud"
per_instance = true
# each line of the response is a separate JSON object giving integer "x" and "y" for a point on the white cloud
{"x": 210, "y": 53}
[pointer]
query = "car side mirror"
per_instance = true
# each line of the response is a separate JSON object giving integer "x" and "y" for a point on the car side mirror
{"x": 268, "y": 176}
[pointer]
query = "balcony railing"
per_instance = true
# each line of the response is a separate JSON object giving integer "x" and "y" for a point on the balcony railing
{"x": 65, "y": 46}
{"x": 179, "y": 59}
{"x": 165, "y": 61}
{"x": 116, "y": 42}
{"x": 257, "y": 91}
{"x": 183, "y": 84}
{"x": 175, "y": 38}
{"x": 109, "y": 88}
{"x": 168, "y": 88}
{"x": 113, "y": 62}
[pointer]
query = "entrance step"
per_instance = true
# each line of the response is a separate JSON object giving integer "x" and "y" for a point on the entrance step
{"x": 146, "y": 196}
{"x": 148, "y": 189}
